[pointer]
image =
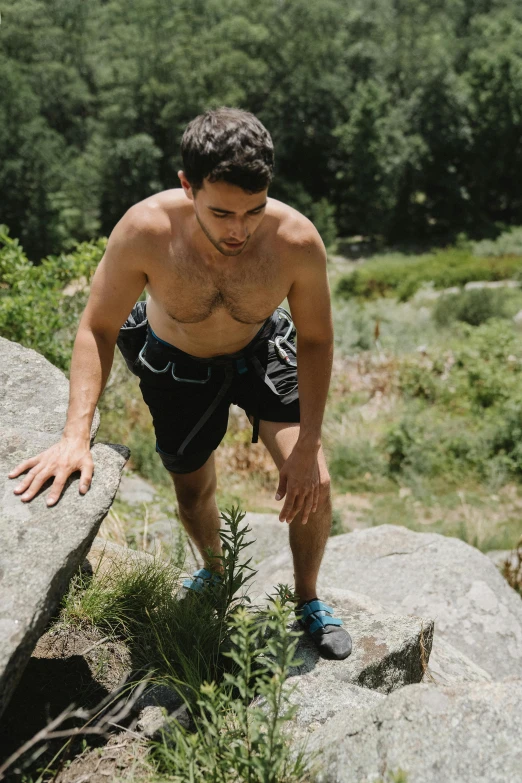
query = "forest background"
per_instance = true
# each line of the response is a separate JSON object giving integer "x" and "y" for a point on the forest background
{"x": 397, "y": 118}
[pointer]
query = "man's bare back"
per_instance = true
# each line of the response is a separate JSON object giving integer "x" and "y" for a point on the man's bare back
{"x": 206, "y": 303}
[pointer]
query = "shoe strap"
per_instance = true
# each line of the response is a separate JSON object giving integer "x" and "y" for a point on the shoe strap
{"x": 318, "y": 615}
{"x": 322, "y": 620}
{"x": 314, "y": 606}
{"x": 198, "y": 579}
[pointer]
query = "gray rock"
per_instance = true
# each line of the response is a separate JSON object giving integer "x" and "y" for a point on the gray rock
{"x": 386, "y": 655}
{"x": 104, "y": 556}
{"x": 448, "y": 666}
{"x": 151, "y": 720}
{"x": 159, "y": 696}
{"x": 428, "y": 575}
{"x": 133, "y": 489}
{"x": 41, "y": 547}
{"x": 517, "y": 318}
{"x": 462, "y": 734}
{"x": 476, "y": 284}
{"x": 386, "y": 651}
{"x": 269, "y": 536}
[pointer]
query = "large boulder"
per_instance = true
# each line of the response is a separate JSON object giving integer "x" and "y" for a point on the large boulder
{"x": 428, "y": 575}
{"x": 462, "y": 734}
{"x": 389, "y": 652}
{"x": 41, "y": 547}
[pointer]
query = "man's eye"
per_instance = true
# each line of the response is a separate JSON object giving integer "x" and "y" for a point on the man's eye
{"x": 218, "y": 216}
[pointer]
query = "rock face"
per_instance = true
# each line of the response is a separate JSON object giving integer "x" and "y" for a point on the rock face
{"x": 428, "y": 575}
{"x": 389, "y": 651}
{"x": 268, "y": 536}
{"x": 461, "y": 734}
{"x": 41, "y": 547}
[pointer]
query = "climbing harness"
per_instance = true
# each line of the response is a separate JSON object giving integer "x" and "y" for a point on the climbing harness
{"x": 277, "y": 343}
{"x": 231, "y": 363}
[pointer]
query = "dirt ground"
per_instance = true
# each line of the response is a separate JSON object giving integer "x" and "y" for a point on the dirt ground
{"x": 74, "y": 668}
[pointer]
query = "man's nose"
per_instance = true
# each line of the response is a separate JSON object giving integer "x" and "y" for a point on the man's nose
{"x": 238, "y": 230}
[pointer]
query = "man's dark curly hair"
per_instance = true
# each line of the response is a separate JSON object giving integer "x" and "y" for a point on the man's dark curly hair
{"x": 228, "y": 145}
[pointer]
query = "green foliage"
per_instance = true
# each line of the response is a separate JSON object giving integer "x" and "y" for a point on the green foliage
{"x": 402, "y": 276}
{"x": 508, "y": 243}
{"x": 179, "y": 640}
{"x": 467, "y": 415}
{"x": 33, "y": 309}
{"x": 399, "y": 120}
{"x": 228, "y": 664}
{"x": 239, "y": 737}
{"x": 350, "y": 461}
{"x": 474, "y": 306}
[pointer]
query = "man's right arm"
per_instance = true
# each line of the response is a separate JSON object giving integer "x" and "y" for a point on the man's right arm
{"x": 116, "y": 285}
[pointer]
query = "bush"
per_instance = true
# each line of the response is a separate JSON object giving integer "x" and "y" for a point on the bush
{"x": 473, "y": 307}
{"x": 33, "y": 309}
{"x": 351, "y": 461}
{"x": 508, "y": 243}
{"x": 402, "y": 276}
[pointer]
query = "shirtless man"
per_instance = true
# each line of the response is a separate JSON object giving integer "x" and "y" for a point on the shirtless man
{"x": 217, "y": 257}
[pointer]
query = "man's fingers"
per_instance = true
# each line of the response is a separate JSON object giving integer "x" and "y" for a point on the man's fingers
{"x": 291, "y": 495}
{"x": 38, "y": 481}
{"x": 307, "y": 508}
{"x": 23, "y": 466}
{"x": 86, "y": 478}
{"x": 56, "y": 488}
{"x": 315, "y": 504}
{"x": 297, "y": 506}
{"x": 281, "y": 489}
{"x": 25, "y": 482}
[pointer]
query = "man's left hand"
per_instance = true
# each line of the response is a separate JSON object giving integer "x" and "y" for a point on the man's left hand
{"x": 299, "y": 480}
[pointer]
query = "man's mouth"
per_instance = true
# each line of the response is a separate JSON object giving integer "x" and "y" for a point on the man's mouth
{"x": 234, "y": 245}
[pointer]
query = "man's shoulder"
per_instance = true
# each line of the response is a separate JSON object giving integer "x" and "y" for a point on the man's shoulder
{"x": 153, "y": 217}
{"x": 294, "y": 230}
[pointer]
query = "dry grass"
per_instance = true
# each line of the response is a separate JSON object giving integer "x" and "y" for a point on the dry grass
{"x": 512, "y": 568}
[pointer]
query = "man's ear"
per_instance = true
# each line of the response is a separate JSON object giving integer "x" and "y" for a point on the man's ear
{"x": 185, "y": 184}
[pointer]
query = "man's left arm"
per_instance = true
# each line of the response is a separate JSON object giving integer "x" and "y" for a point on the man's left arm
{"x": 310, "y": 306}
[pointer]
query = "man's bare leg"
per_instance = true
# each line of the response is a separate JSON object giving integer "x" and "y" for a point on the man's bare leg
{"x": 308, "y": 541}
{"x": 196, "y": 495}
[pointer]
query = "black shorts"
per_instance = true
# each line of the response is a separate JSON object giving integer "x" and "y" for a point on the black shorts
{"x": 189, "y": 397}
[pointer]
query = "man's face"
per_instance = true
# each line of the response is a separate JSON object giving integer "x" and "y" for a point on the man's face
{"x": 227, "y": 215}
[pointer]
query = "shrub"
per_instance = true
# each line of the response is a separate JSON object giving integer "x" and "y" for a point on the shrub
{"x": 402, "y": 276}
{"x": 473, "y": 307}
{"x": 238, "y": 740}
{"x": 33, "y": 308}
{"x": 350, "y": 461}
{"x": 216, "y": 654}
{"x": 508, "y": 243}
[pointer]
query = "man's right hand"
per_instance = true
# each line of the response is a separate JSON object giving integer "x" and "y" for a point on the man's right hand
{"x": 60, "y": 460}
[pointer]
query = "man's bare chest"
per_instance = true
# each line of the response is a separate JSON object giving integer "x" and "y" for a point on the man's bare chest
{"x": 246, "y": 289}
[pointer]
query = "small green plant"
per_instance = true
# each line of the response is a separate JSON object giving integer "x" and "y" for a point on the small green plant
{"x": 228, "y": 661}
{"x": 239, "y": 722}
{"x": 512, "y": 568}
{"x": 137, "y": 600}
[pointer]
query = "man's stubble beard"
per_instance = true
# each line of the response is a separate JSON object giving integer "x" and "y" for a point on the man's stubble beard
{"x": 216, "y": 244}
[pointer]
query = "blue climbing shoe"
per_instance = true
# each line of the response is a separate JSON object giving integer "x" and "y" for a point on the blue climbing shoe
{"x": 201, "y": 579}
{"x": 331, "y": 641}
